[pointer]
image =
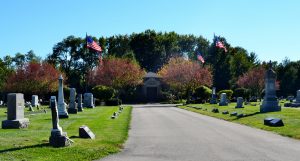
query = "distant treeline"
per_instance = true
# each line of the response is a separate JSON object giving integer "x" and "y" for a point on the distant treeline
{"x": 151, "y": 50}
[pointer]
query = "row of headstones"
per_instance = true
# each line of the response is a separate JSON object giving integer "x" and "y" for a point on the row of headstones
{"x": 224, "y": 101}
{"x": 16, "y": 120}
{"x": 58, "y": 138}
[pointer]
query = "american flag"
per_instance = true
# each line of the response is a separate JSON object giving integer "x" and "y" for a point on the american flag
{"x": 220, "y": 44}
{"x": 90, "y": 43}
{"x": 200, "y": 58}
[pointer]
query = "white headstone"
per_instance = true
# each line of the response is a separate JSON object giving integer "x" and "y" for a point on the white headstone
{"x": 34, "y": 100}
{"x": 62, "y": 109}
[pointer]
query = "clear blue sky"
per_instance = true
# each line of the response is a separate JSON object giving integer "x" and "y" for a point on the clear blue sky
{"x": 270, "y": 28}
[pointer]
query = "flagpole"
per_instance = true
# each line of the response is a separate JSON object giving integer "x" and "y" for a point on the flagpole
{"x": 85, "y": 53}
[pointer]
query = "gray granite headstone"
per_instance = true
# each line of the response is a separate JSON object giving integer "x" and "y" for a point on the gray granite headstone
{"x": 297, "y": 101}
{"x": 270, "y": 102}
{"x": 88, "y": 100}
{"x": 15, "y": 112}
{"x": 34, "y": 100}
{"x": 225, "y": 112}
{"x": 72, "y": 105}
{"x": 223, "y": 100}
{"x": 79, "y": 104}
{"x": 58, "y": 138}
{"x": 62, "y": 109}
{"x": 85, "y": 132}
{"x": 298, "y": 97}
{"x": 233, "y": 113}
{"x": 239, "y": 103}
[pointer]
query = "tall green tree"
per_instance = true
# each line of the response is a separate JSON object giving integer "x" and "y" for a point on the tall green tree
{"x": 72, "y": 57}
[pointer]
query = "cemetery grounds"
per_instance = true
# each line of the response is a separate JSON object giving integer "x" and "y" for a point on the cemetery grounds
{"x": 253, "y": 118}
{"x": 32, "y": 143}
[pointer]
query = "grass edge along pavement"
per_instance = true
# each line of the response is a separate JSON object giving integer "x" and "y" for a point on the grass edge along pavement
{"x": 33, "y": 143}
{"x": 253, "y": 118}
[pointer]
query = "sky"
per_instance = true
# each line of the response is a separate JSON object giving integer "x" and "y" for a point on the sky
{"x": 270, "y": 28}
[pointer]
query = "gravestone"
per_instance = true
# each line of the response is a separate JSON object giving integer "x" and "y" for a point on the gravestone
{"x": 239, "y": 103}
{"x": 223, "y": 100}
{"x": 240, "y": 115}
{"x": 268, "y": 120}
{"x": 213, "y": 99}
{"x": 72, "y": 106}
{"x": 233, "y": 113}
{"x": 15, "y": 112}
{"x": 58, "y": 138}
{"x": 85, "y": 132}
{"x": 297, "y": 101}
{"x": 275, "y": 122}
{"x": 34, "y": 100}
{"x": 215, "y": 110}
{"x": 88, "y": 100}
{"x": 79, "y": 104}
{"x": 298, "y": 97}
{"x": 270, "y": 102}
{"x": 62, "y": 109}
{"x": 225, "y": 112}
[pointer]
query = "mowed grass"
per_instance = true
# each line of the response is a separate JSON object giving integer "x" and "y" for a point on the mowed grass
{"x": 253, "y": 118}
{"x": 33, "y": 143}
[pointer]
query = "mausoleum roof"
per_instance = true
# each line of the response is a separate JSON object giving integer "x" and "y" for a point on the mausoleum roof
{"x": 151, "y": 75}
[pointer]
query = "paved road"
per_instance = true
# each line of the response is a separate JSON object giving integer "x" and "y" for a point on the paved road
{"x": 172, "y": 134}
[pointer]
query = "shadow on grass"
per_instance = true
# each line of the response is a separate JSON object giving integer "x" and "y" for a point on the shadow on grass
{"x": 247, "y": 115}
{"x": 72, "y": 137}
{"x": 25, "y": 147}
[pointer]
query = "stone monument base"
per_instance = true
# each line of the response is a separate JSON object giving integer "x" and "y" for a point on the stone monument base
{"x": 63, "y": 116}
{"x": 15, "y": 124}
{"x": 239, "y": 106}
{"x": 295, "y": 104}
{"x": 270, "y": 106}
{"x": 223, "y": 104}
{"x": 213, "y": 101}
{"x": 72, "y": 110}
{"x": 90, "y": 106}
{"x": 59, "y": 138}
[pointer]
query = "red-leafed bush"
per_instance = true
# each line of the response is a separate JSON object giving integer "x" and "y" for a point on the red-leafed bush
{"x": 116, "y": 73}
{"x": 33, "y": 78}
{"x": 185, "y": 76}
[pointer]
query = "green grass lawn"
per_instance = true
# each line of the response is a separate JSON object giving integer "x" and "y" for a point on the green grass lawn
{"x": 33, "y": 143}
{"x": 290, "y": 117}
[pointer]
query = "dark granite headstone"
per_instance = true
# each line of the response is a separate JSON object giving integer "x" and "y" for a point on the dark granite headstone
{"x": 239, "y": 103}
{"x": 268, "y": 120}
{"x": 276, "y": 122}
{"x": 240, "y": 115}
{"x": 233, "y": 113}
{"x": 225, "y": 112}
{"x": 85, "y": 132}
{"x": 58, "y": 138}
{"x": 215, "y": 110}
{"x": 79, "y": 104}
{"x": 270, "y": 102}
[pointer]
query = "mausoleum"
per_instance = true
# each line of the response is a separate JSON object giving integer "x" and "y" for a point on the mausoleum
{"x": 151, "y": 88}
